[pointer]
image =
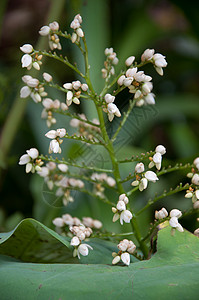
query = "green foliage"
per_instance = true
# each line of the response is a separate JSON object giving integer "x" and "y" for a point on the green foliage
{"x": 160, "y": 277}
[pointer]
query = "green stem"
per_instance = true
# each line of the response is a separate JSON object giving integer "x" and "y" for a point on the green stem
{"x": 165, "y": 194}
{"x": 72, "y": 164}
{"x": 125, "y": 117}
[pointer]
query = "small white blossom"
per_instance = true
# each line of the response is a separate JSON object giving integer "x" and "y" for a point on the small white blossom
{"x": 121, "y": 205}
{"x": 175, "y": 213}
{"x": 147, "y": 55}
{"x": 27, "y": 48}
{"x": 151, "y": 176}
{"x": 125, "y": 216}
{"x": 83, "y": 250}
{"x": 124, "y": 198}
{"x": 26, "y": 61}
{"x": 75, "y": 241}
{"x": 25, "y": 92}
{"x": 45, "y": 30}
{"x": 54, "y": 26}
{"x": 54, "y": 147}
{"x": 161, "y": 149}
{"x": 109, "y": 98}
{"x": 161, "y": 214}
{"x": 58, "y": 222}
{"x": 120, "y": 80}
{"x": 125, "y": 257}
{"x": 143, "y": 184}
{"x": 62, "y": 167}
{"x": 139, "y": 168}
{"x": 129, "y": 60}
{"x": 47, "y": 77}
{"x": 195, "y": 179}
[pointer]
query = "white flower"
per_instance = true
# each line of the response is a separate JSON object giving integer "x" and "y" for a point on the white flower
{"x": 131, "y": 247}
{"x": 120, "y": 80}
{"x": 26, "y": 48}
{"x": 75, "y": 241}
{"x": 125, "y": 216}
{"x": 68, "y": 86}
{"x": 58, "y": 222}
{"x": 143, "y": 184}
{"x": 173, "y": 222}
{"x": 113, "y": 110}
{"x": 195, "y": 179}
{"x": 161, "y": 214}
{"x": 131, "y": 72}
{"x": 157, "y": 160}
{"x": 33, "y": 82}
{"x": 129, "y": 60}
{"x": 33, "y": 153}
{"x": 97, "y": 224}
{"x": 83, "y": 250}
{"x": 109, "y": 98}
{"x": 54, "y": 147}
{"x": 47, "y": 77}
{"x": 124, "y": 198}
{"x": 139, "y": 168}
{"x": 161, "y": 149}
{"x": 51, "y": 134}
{"x": 54, "y": 26}
{"x": 26, "y": 61}
{"x": 80, "y": 32}
{"x": 63, "y": 168}
{"x": 44, "y": 172}
{"x": 196, "y": 162}
{"x": 121, "y": 205}
{"x": 175, "y": 213}
{"x": 116, "y": 260}
{"x": 25, "y": 92}
{"x": 24, "y": 159}
{"x": 150, "y": 99}
{"x": 61, "y": 132}
{"x": 123, "y": 245}
{"x": 148, "y": 54}
{"x": 84, "y": 87}
{"x": 151, "y": 176}
{"x": 76, "y": 84}
{"x": 45, "y": 30}
{"x": 125, "y": 257}
{"x": 110, "y": 181}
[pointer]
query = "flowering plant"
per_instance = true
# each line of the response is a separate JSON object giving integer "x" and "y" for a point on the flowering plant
{"x": 56, "y": 172}
{"x": 153, "y": 256}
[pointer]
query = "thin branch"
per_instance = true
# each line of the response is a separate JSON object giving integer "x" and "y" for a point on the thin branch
{"x": 165, "y": 194}
{"x": 61, "y": 59}
{"x": 135, "y": 158}
{"x": 125, "y": 117}
{"x": 72, "y": 164}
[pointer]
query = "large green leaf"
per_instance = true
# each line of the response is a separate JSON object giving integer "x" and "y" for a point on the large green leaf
{"x": 31, "y": 241}
{"x": 171, "y": 273}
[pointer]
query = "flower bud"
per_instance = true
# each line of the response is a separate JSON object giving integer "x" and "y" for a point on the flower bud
{"x": 44, "y": 30}
{"x": 47, "y": 77}
{"x": 125, "y": 257}
{"x": 27, "y": 48}
{"x": 139, "y": 168}
{"x": 58, "y": 222}
{"x": 129, "y": 60}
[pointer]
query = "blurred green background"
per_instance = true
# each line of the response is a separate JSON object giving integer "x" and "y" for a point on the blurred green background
{"x": 170, "y": 27}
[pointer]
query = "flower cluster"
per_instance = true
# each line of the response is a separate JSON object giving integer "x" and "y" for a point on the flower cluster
{"x": 126, "y": 248}
{"x": 101, "y": 178}
{"x": 49, "y": 105}
{"x": 31, "y": 160}
{"x": 74, "y": 91}
{"x": 156, "y": 160}
{"x": 110, "y": 107}
{"x": 76, "y": 25}
{"x": 55, "y": 135}
{"x": 120, "y": 211}
{"x": 174, "y": 215}
{"x": 193, "y": 192}
{"x": 33, "y": 88}
{"x": 85, "y": 129}
{"x": 109, "y": 62}
{"x": 142, "y": 177}
{"x": 50, "y": 31}
{"x": 80, "y": 234}
{"x": 157, "y": 59}
{"x": 29, "y": 59}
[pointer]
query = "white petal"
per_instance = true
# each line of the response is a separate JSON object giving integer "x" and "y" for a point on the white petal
{"x": 61, "y": 132}
{"x": 26, "y": 48}
{"x": 26, "y": 60}
{"x": 125, "y": 257}
{"x": 143, "y": 184}
{"x": 116, "y": 260}
{"x": 58, "y": 222}
{"x": 44, "y": 30}
{"x": 121, "y": 205}
{"x": 25, "y": 92}
{"x": 160, "y": 149}
{"x": 75, "y": 241}
{"x": 63, "y": 167}
{"x": 54, "y": 146}
{"x": 129, "y": 60}
{"x": 175, "y": 213}
{"x": 24, "y": 159}
{"x": 173, "y": 222}
{"x": 52, "y": 134}
{"x": 33, "y": 153}
{"x": 151, "y": 176}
